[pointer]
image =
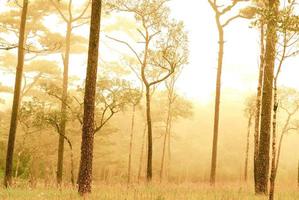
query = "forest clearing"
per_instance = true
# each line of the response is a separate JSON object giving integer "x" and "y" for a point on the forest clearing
{"x": 149, "y": 99}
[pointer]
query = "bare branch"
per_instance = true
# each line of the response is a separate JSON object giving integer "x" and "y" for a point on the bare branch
{"x": 128, "y": 45}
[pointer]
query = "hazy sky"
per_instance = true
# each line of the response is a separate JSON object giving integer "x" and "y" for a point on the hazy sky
{"x": 241, "y": 56}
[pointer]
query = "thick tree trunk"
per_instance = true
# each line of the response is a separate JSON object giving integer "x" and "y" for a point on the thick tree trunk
{"x": 266, "y": 111}
{"x": 149, "y": 135}
{"x": 247, "y": 149}
{"x": 16, "y": 98}
{"x": 131, "y": 144}
{"x": 85, "y": 171}
{"x": 258, "y": 107}
{"x": 63, "y": 104}
{"x": 217, "y": 101}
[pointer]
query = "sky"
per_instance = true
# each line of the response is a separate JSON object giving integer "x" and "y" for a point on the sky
{"x": 241, "y": 57}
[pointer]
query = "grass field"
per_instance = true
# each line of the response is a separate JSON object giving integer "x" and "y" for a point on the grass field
{"x": 152, "y": 192}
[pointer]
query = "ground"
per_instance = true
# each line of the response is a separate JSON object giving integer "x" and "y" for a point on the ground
{"x": 152, "y": 192}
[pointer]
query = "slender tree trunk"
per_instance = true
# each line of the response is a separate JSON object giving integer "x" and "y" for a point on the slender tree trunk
{"x": 247, "y": 149}
{"x": 149, "y": 135}
{"x": 275, "y": 159}
{"x": 266, "y": 111}
{"x": 273, "y": 162}
{"x": 85, "y": 171}
{"x": 166, "y": 135}
{"x": 141, "y": 153}
{"x": 72, "y": 163}
{"x": 18, "y": 164}
{"x": 217, "y": 101}
{"x": 258, "y": 107}
{"x": 131, "y": 144}
{"x": 63, "y": 104}
{"x": 16, "y": 98}
{"x": 169, "y": 148}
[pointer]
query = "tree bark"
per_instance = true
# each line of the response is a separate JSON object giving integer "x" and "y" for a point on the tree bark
{"x": 258, "y": 107}
{"x": 149, "y": 135}
{"x": 63, "y": 104}
{"x": 266, "y": 111}
{"x": 217, "y": 100}
{"x": 131, "y": 144}
{"x": 16, "y": 98}
{"x": 85, "y": 171}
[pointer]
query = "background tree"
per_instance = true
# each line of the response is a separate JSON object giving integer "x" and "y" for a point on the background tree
{"x": 71, "y": 23}
{"x": 164, "y": 49}
{"x": 288, "y": 40}
{"x": 250, "y": 111}
{"x": 219, "y": 13}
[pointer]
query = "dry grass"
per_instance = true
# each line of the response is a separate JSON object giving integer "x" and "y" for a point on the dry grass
{"x": 150, "y": 192}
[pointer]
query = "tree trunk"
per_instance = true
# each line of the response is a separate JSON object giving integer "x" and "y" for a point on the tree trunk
{"x": 16, "y": 98}
{"x": 169, "y": 148}
{"x": 131, "y": 144}
{"x": 217, "y": 101}
{"x": 247, "y": 149}
{"x": 85, "y": 171}
{"x": 265, "y": 129}
{"x": 63, "y": 104}
{"x": 167, "y": 134}
{"x": 258, "y": 107}
{"x": 141, "y": 153}
{"x": 149, "y": 135}
{"x": 72, "y": 163}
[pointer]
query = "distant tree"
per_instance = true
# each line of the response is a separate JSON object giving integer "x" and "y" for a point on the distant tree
{"x": 286, "y": 40}
{"x": 164, "y": 49}
{"x": 85, "y": 170}
{"x": 71, "y": 23}
{"x": 220, "y": 11}
{"x": 135, "y": 100}
{"x": 288, "y": 104}
{"x": 177, "y": 107}
{"x": 16, "y": 99}
{"x": 249, "y": 111}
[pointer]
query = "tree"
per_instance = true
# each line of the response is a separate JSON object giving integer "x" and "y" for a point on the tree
{"x": 263, "y": 159}
{"x": 250, "y": 111}
{"x": 289, "y": 39}
{"x": 16, "y": 99}
{"x": 177, "y": 107}
{"x": 71, "y": 23}
{"x": 135, "y": 100}
{"x": 288, "y": 103}
{"x": 219, "y": 13}
{"x": 85, "y": 171}
{"x": 258, "y": 102}
{"x": 164, "y": 49}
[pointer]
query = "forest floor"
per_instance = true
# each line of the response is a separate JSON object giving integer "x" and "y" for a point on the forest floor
{"x": 152, "y": 192}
